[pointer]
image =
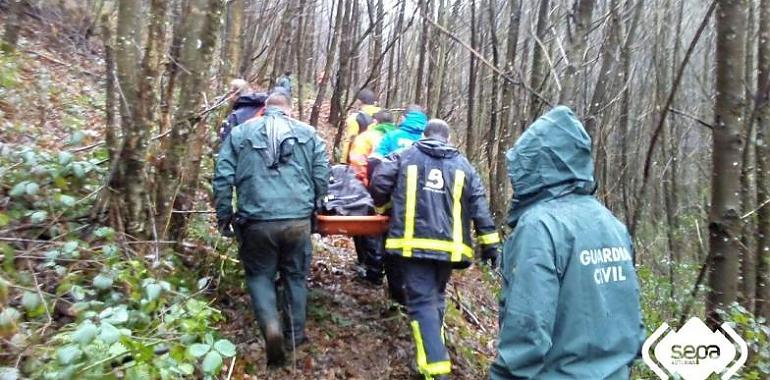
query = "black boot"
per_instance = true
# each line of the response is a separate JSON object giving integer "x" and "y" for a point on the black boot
{"x": 276, "y": 357}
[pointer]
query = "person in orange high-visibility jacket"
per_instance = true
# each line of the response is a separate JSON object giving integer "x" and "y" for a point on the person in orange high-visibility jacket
{"x": 358, "y": 122}
{"x": 370, "y": 248}
{"x": 435, "y": 194}
{"x": 365, "y": 144}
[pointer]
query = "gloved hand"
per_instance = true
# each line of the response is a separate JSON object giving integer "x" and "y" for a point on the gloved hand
{"x": 491, "y": 255}
{"x": 224, "y": 225}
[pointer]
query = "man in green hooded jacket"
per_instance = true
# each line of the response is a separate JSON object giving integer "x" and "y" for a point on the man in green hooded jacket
{"x": 570, "y": 300}
{"x": 279, "y": 169}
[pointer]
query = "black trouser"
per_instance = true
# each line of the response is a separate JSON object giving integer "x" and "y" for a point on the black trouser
{"x": 424, "y": 285}
{"x": 370, "y": 250}
{"x": 395, "y": 278}
{"x": 270, "y": 247}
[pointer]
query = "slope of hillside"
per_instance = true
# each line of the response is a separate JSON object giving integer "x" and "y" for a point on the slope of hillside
{"x": 51, "y": 100}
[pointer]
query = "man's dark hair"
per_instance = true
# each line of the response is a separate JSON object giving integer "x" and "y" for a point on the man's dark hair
{"x": 413, "y": 108}
{"x": 437, "y": 129}
{"x": 287, "y": 73}
{"x": 278, "y": 99}
{"x": 384, "y": 116}
{"x": 366, "y": 96}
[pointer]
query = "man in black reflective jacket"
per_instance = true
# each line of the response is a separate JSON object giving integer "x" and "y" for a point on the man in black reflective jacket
{"x": 436, "y": 194}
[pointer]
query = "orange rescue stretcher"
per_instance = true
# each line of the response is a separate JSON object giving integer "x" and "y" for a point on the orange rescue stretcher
{"x": 352, "y": 225}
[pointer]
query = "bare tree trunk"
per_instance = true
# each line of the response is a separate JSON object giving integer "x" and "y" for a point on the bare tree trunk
{"x": 233, "y": 38}
{"x": 538, "y": 67}
{"x": 343, "y": 72}
{"x": 355, "y": 58}
{"x": 393, "y": 77}
{"x": 110, "y": 138}
{"x": 498, "y": 189}
{"x": 379, "y": 18}
{"x": 180, "y": 12}
{"x": 494, "y": 107}
{"x": 434, "y": 56}
{"x": 582, "y": 13}
{"x": 724, "y": 219}
{"x": 748, "y": 284}
{"x": 12, "y": 25}
{"x": 470, "y": 136}
{"x": 763, "y": 163}
{"x": 598, "y": 110}
{"x": 625, "y": 110}
{"x": 330, "y": 57}
{"x": 437, "y": 72}
{"x": 173, "y": 179}
{"x": 310, "y": 45}
{"x": 300, "y": 54}
{"x": 130, "y": 162}
{"x": 424, "y": 37}
{"x": 282, "y": 60}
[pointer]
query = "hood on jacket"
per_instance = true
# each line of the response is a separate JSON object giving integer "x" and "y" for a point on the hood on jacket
{"x": 414, "y": 122}
{"x": 384, "y": 128}
{"x": 436, "y": 148}
{"x": 552, "y": 158}
{"x": 256, "y": 100}
{"x": 280, "y": 137}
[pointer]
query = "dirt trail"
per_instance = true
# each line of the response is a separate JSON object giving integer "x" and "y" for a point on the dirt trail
{"x": 357, "y": 333}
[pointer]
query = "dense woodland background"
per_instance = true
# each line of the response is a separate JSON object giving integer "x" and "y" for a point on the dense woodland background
{"x": 111, "y": 263}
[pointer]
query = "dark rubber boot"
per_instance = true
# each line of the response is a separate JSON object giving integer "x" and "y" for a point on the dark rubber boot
{"x": 274, "y": 345}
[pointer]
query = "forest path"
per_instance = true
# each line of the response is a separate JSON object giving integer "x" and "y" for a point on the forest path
{"x": 355, "y": 332}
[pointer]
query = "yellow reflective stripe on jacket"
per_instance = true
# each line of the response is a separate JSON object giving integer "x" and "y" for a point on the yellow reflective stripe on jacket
{"x": 411, "y": 206}
{"x": 437, "y": 368}
{"x": 431, "y": 245}
{"x": 490, "y": 238}
{"x": 457, "y": 214}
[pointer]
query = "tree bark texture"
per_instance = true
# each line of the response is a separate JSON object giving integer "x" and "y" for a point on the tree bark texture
{"x": 724, "y": 222}
{"x": 762, "y": 156}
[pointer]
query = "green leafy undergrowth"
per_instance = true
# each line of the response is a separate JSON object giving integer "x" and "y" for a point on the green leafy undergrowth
{"x": 77, "y": 300}
{"x": 111, "y": 316}
{"x": 44, "y": 190}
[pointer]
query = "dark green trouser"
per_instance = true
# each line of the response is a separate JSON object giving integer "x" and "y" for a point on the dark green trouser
{"x": 270, "y": 247}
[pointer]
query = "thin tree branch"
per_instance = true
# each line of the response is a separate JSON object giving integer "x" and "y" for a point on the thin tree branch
{"x": 691, "y": 117}
{"x": 662, "y": 119}
{"x": 483, "y": 60}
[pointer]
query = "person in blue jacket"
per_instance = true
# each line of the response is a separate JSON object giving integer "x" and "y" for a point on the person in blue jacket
{"x": 409, "y": 131}
{"x": 570, "y": 300}
{"x": 246, "y": 104}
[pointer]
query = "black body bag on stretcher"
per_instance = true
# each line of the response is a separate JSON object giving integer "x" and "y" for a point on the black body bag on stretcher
{"x": 347, "y": 196}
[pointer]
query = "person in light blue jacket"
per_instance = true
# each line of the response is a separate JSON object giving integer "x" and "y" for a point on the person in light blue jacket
{"x": 570, "y": 299}
{"x": 409, "y": 130}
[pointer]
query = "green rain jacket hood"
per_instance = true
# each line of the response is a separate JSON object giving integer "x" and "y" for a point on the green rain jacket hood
{"x": 552, "y": 158}
{"x": 569, "y": 304}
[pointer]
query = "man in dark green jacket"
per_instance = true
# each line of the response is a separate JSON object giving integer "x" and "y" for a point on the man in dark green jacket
{"x": 570, "y": 301}
{"x": 436, "y": 195}
{"x": 279, "y": 169}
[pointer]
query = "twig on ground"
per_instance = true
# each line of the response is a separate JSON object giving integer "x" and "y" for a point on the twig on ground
{"x": 42, "y": 299}
{"x": 232, "y": 367}
{"x": 474, "y": 319}
{"x": 38, "y": 290}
